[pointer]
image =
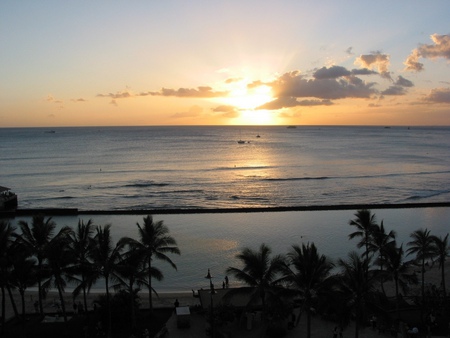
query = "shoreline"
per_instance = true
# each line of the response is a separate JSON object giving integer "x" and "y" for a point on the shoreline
{"x": 165, "y": 300}
{"x": 175, "y": 211}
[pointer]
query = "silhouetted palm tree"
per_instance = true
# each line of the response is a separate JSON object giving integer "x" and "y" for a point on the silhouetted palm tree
{"x": 7, "y": 236}
{"x": 260, "y": 271}
{"x": 379, "y": 241}
{"x": 442, "y": 251}
{"x": 130, "y": 272}
{"x": 308, "y": 272}
{"x": 398, "y": 271}
{"x": 81, "y": 245}
{"x": 422, "y": 245}
{"x": 23, "y": 276}
{"x": 105, "y": 257}
{"x": 365, "y": 223}
{"x": 357, "y": 286}
{"x": 60, "y": 259}
{"x": 35, "y": 240}
{"x": 154, "y": 242}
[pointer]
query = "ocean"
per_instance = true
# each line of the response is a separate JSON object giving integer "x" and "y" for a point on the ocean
{"x": 141, "y": 168}
{"x": 118, "y": 168}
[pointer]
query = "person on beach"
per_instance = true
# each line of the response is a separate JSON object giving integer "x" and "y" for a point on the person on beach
{"x": 177, "y": 303}
{"x": 226, "y": 281}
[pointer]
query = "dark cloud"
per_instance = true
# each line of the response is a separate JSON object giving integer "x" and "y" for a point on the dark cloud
{"x": 289, "y": 102}
{"x": 331, "y": 73}
{"x": 227, "y": 111}
{"x": 349, "y": 51}
{"x": 200, "y": 92}
{"x": 335, "y": 72}
{"x": 78, "y": 100}
{"x": 363, "y": 71}
{"x": 439, "y": 95}
{"x": 394, "y": 90}
{"x": 294, "y": 85}
{"x": 440, "y": 49}
{"x": 401, "y": 81}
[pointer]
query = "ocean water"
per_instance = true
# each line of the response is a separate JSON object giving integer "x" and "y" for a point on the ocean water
{"x": 204, "y": 167}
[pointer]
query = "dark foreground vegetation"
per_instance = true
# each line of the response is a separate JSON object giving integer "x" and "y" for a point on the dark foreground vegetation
{"x": 343, "y": 290}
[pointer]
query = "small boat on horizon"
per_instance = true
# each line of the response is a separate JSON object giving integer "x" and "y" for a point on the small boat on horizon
{"x": 241, "y": 141}
{"x": 291, "y": 127}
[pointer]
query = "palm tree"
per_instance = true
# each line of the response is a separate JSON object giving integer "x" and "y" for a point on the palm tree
{"x": 23, "y": 276}
{"x": 60, "y": 259}
{"x": 379, "y": 242}
{"x": 154, "y": 242}
{"x": 81, "y": 245}
{"x": 35, "y": 240}
{"x": 365, "y": 223}
{"x": 260, "y": 271}
{"x": 442, "y": 248}
{"x": 7, "y": 233}
{"x": 308, "y": 272}
{"x": 130, "y": 272}
{"x": 398, "y": 271}
{"x": 105, "y": 257}
{"x": 422, "y": 245}
{"x": 357, "y": 285}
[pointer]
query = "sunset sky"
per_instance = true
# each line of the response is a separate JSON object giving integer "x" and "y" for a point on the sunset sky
{"x": 108, "y": 63}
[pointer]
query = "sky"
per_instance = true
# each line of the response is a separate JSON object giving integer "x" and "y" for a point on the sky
{"x": 234, "y": 62}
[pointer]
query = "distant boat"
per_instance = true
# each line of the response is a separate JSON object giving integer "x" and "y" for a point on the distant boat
{"x": 8, "y": 199}
{"x": 291, "y": 127}
{"x": 50, "y": 132}
{"x": 257, "y": 136}
{"x": 241, "y": 142}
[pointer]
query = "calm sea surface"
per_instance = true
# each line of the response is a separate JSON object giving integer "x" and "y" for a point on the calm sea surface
{"x": 205, "y": 167}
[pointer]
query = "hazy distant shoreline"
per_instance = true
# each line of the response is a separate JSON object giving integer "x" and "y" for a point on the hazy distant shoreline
{"x": 175, "y": 211}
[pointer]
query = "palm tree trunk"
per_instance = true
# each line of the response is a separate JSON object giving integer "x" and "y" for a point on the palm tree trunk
{"x": 443, "y": 278}
{"x": 63, "y": 305}
{"x": 22, "y": 298}
{"x": 13, "y": 302}
{"x": 397, "y": 300}
{"x": 150, "y": 302}
{"x": 423, "y": 281}
{"x": 85, "y": 301}
{"x": 3, "y": 309}
{"x": 108, "y": 333}
{"x": 132, "y": 310}
{"x": 41, "y": 307}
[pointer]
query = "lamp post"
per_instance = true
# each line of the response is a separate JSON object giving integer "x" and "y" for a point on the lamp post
{"x": 211, "y": 292}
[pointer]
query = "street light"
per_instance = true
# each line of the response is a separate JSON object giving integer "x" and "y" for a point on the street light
{"x": 211, "y": 292}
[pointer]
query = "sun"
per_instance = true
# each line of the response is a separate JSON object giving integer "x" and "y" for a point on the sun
{"x": 246, "y": 100}
{"x": 259, "y": 117}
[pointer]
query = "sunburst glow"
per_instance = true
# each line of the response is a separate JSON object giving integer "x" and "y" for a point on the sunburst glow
{"x": 245, "y": 98}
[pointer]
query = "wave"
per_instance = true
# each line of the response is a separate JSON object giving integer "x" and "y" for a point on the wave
{"x": 298, "y": 178}
{"x": 145, "y": 184}
{"x": 427, "y": 194}
{"x": 306, "y": 178}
